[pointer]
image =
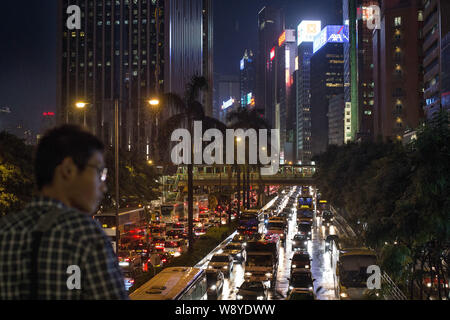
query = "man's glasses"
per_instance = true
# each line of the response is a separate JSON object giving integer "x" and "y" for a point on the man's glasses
{"x": 102, "y": 172}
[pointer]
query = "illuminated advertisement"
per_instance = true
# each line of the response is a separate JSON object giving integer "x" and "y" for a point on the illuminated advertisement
{"x": 334, "y": 34}
{"x": 307, "y": 30}
{"x": 272, "y": 54}
{"x": 249, "y": 98}
{"x": 282, "y": 39}
{"x": 242, "y": 64}
{"x": 227, "y": 104}
{"x": 296, "y": 63}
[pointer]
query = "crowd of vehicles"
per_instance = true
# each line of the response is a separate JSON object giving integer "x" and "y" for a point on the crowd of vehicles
{"x": 255, "y": 249}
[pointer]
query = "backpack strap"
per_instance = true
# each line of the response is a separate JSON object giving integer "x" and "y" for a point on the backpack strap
{"x": 43, "y": 225}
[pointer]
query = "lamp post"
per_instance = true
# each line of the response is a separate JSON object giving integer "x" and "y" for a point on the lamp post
{"x": 82, "y": 105}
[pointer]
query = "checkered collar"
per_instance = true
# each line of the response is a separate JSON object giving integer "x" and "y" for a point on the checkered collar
{"x": 42, "y": 201}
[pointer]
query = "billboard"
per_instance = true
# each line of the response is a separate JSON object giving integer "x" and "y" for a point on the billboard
{"x": 307, "y": 30}
{"x": 334, "y": 34}
{"x": 272, "y": 54}
{"x": 227, "y": 104}
{"x": 282, "y": 39}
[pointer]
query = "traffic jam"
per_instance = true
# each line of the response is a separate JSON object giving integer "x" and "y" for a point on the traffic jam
{"x": 281, "y": 251}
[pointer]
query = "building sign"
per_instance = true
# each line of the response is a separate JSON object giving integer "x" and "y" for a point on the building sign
{"x": 242, "y": 64}
{"x": 307, "y": 30}
{"x": 272, "y": 54}
{"x": 249, "y": 98}
{"x": 282, "y": 39}
{"x": 333, "y": 34}
{"x": 227, "y": 104}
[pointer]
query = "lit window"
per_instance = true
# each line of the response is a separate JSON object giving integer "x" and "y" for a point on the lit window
{"x": 420, "y": 16}
{"x": 398, "y": 21}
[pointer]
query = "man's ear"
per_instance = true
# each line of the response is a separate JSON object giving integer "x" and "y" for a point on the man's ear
{"x": 67, "y": 169}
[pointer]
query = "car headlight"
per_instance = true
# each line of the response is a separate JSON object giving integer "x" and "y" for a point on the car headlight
{"x": 291, "y": 287}
{"x": 260, "y": 298}
{"x": 294, "y": 266}
{"x": 343, "y": 295}
{"x": 238, "y": 255}
{"x": 306, "y": 267}
{"x": 225, "y": 267}
{"x": 310, "y": 288}
{"x": 210, "y": 267}
{"x": 239, "y": 297}
{"x": 213, "y": 287}
{"x": 268, "y": 274}
{"x": 248, "y": 274}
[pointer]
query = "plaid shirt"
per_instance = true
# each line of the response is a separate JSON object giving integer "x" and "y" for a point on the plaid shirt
{"x": 74, "y": 239}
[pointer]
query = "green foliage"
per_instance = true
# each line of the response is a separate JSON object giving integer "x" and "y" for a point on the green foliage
{"x": 137, "y": 179}
{"x": 16, "y": 172}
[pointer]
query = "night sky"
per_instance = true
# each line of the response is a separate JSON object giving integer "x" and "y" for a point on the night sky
{"x": 28, "y": 46}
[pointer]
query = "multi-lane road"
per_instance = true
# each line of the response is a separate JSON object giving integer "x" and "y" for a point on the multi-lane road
{"x": 322, "y": 266}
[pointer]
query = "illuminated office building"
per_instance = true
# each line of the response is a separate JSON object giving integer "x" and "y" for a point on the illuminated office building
{"x": 131, "y": 51}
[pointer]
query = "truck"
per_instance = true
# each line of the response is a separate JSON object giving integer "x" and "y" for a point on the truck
{"x": 278, "y": 226}
{"x": 351, "y": 272}
{"x": 249, "y": 222}
{"x": 262, "y": 259}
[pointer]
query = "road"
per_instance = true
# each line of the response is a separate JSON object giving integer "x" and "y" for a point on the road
{"x": 321, "y": 265}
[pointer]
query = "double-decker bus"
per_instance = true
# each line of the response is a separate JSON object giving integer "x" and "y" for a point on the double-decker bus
{"x": 170, "y": 212}
{"x": 351, "y": 272}
{"x": 177, "y": 283}
{"x": 130, "y": 221}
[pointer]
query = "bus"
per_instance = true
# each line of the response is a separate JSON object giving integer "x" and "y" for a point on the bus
{"x": 170, "y": 212}
{"x": 176, "y": 283}
{"x": 351, "y": 272}
{"x": 129, "y": 220}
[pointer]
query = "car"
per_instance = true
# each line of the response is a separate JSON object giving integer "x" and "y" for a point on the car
{"x": 304, "y": 228}
{"x": 252, "y": 290}
{"x": 222, "y": 262}
{"x": 214, "y": 282}
{"x": 327, "y": 217}
{"x": 299, "y": 242}
{"x": 236, "y": 250}
{"x": 175, "y": 246}
{"x": 300, "y": 260}
{"x": 199, "y": 231}
{"x": 330, "y": 241}
{"x": 301, "y": 294}
{"x": 301, "y": 278}
{"x": 239, "y": 238}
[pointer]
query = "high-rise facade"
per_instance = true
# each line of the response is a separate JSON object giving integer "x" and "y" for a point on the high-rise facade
{"x": 398, "y": 70}
{"x": 358, "y": 69}
{"x": 247, "y": 79}
{"x": 283, "y": 67}
{"x": 436, "y": 25}
{"x": 327, "y": 81}
{"x": 336, "y": 108}
{"x": 130, "y": 51}
{"x": 306, "y": 31}
{"x": 270, "y": 26}
{"x": 228, "y": 95}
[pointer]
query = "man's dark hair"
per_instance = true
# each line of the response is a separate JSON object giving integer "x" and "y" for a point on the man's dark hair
{"x": 60, "y": 143}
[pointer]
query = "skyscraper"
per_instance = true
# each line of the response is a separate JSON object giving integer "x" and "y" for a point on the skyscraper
{"x": 306, "y": 31}
{"x": 398, "y": 75}
{"x": 131, "y": 51}
{"x": 270, "y": 26}
{"x": 327, "y": 68}
{"x": 436, "y": 27}
{"x": 358, "y": 74}
{"x": 247, "y": 79}
{"x": 283, "y": 64}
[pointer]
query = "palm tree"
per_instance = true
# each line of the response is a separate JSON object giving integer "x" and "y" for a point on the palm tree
{"x": 190, "y": 110}
{"x": 244, "y": 118}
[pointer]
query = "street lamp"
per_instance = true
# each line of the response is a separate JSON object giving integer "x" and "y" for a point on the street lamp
{"x": 153, "y": 102}
{"x": 82, "y": 105}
